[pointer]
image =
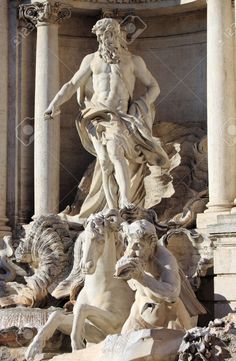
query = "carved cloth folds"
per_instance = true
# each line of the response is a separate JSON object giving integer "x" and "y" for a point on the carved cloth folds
{"x": 133, "y": 132}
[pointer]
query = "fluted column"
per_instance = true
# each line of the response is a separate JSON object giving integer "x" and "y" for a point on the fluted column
{"x": 220, "y": 109}
{"x": 221, "y": 106}
{"x": 26, "y": 42}
{"x": 46, "y": 16}
{"x": 232, "y": 32}
{"x": 3, "y": 114}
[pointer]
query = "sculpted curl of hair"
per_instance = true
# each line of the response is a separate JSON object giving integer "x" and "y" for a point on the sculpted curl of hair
{"x": 105, "y": 25}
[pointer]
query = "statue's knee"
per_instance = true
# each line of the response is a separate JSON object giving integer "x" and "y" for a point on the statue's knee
{"x": 56, "y": 315}
{"x": 106, "y": 165}
{"x": 116, "y": 152}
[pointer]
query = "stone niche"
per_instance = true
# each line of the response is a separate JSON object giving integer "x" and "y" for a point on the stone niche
{"x": 174, "y": 48}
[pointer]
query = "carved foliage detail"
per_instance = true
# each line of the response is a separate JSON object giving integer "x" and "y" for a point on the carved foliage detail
{"x": 44, "y": 12}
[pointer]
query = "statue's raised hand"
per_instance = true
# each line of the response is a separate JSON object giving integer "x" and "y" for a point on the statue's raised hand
{"x": 50, "y": 113}
{"x": 136, "y": 268}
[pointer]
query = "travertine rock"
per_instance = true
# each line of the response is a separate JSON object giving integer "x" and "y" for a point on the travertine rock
{"x": 217, "y": 342}
{"x": 145, "y": 345}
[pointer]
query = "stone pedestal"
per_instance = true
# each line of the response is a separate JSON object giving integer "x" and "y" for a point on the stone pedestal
{"x": 223, "y": 235}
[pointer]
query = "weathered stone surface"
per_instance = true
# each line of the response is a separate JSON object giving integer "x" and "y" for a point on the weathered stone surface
{"x": 224, "y": 260}
{"x": 214, "y": 342}
{"x": 15, "y": 337}
{"x": 224, "y": 287}
{"x": 145, "y": 345}
{"x": 13, "y": 354}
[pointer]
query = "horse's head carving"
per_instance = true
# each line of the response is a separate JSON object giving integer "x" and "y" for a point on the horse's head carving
{"x": 98, "y": 230}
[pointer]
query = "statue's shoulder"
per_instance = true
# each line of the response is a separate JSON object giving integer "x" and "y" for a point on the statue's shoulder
{"x": 163, "y": 255}
{"x": 137, "y": 60}
{"x": 89, "y": 57}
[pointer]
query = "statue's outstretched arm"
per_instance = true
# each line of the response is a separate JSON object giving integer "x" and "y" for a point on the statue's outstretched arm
{"x": 144, "y": 75}
{"x": 68, "y": 89}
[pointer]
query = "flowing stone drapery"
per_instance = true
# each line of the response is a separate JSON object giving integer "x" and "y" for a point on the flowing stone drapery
{"x": 221, "y": 111}
{"x": 46, "y": 16}
{"x": 3, "y": 114}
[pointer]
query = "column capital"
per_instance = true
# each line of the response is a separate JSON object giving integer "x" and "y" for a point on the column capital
{"x": 48, "y": 12}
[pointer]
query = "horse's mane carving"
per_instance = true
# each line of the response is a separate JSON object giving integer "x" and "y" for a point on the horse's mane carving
{"x": 47, "y": 248}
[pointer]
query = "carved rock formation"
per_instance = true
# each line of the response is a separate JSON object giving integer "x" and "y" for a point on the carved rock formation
{"x": 158, "y": 345}
{"x": 193, "y": 251}
{"x": 214, "y": 343}
{"x": 189, "y": 178}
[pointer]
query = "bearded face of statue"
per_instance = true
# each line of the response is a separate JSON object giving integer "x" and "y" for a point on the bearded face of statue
{"x": 109, "y": 45}
{"x": 140, "y": 247}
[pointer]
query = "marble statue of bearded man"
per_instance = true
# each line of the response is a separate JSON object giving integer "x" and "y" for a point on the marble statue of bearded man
{"x": 113, "y": 126}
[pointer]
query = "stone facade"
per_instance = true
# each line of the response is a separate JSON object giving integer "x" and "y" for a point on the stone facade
{"x": 176, "y": 49}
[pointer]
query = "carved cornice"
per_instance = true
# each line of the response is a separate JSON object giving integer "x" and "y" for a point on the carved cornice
{"x": 46, "y": 12}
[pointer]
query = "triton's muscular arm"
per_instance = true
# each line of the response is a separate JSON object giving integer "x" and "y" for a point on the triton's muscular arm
{"x": 144, "y": 75}
{"x": 68, "y": 89}
{"x": 167, "y": 286}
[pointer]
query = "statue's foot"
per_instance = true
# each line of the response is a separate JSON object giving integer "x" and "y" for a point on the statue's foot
{"x": 127, "y": 205}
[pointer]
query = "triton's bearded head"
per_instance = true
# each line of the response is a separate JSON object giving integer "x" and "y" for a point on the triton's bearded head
{"x": 109, "y": 38}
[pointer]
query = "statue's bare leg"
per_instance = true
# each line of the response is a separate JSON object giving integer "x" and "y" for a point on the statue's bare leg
{"x": 122, "y": 174}
{"x": 106, "y": 167}
{"x": 104, "y": 320}
{"x": 93, "y": 334}
{"x": 57, "y": 320}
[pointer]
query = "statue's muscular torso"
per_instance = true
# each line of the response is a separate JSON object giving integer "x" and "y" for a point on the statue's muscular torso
{"x": 111, "y": 82}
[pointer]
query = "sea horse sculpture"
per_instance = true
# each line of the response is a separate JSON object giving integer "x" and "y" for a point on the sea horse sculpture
{"x": 104, "y": 303}
{"x": 47, "y": 248}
